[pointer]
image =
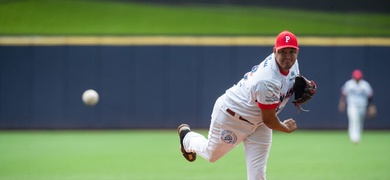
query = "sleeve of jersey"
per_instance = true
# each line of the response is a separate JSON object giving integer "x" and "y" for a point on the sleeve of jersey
{"x": 268, "y": 95}
{"x": 346, "y": 88}
{"x": 343, "y": 92}
{"x": 370, "y": 90}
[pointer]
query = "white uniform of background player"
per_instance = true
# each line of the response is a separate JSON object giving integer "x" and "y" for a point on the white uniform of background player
{"x": 357, "y": 93}
{"x": 247, "y": 112}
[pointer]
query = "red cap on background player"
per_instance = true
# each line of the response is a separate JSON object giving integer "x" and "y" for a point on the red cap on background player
{"x": 286, "y": 39}
{"x": 357, "y": 74}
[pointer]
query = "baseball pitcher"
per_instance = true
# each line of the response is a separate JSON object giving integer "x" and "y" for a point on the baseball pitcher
{"x": 248, "y": 111}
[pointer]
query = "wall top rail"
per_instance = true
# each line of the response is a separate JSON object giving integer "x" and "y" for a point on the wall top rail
{"x": 185, "y": 41}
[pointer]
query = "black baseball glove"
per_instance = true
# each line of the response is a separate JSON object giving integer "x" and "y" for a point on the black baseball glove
{"x": 304, "y": 90}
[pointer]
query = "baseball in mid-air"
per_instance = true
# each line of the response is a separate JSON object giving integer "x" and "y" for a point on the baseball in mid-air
{"x": 90, "y": 97}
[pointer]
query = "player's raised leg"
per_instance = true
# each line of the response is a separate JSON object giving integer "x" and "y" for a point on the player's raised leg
{"x": 212, "y": 148}
{"x": 225, "y": 133}
{"x": 183, "y": 130}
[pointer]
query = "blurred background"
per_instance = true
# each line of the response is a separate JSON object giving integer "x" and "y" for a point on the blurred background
{"x": 52, "y": 51}
{"x": 157, "y": 64}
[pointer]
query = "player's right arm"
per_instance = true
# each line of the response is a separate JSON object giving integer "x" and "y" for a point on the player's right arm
{"x": 271, "y": 120}
{"x": 343, "y": 97}
{"x": 267, "y": 93}
{"x": 342, "y": 103}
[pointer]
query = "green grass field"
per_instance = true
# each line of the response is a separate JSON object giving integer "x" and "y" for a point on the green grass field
{"x": 154, "y": 154}
{"x": 88, "y": 17}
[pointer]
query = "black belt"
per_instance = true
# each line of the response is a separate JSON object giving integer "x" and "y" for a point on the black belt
{"x": 234, "y": 115}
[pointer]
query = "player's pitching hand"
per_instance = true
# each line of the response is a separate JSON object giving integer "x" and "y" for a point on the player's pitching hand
{"x": 290, "y": 123}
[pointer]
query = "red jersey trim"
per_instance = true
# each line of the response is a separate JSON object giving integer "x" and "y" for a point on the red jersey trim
{"x": 284, "y": 73}
{"x": 268, "y": 106}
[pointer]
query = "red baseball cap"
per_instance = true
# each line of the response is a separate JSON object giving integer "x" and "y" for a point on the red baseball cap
{"x": 286, "y": 39}
{"x": 357, "y": 74}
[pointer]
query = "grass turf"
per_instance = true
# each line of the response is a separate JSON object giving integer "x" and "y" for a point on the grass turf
{"x": 147, "y": 155}
{"x": 75, "y": 17}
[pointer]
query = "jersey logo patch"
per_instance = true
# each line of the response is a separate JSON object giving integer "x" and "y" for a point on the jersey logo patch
{"x": 229, "y": 137}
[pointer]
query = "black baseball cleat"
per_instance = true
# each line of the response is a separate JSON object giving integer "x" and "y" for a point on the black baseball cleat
{"x": 182, "y": 130}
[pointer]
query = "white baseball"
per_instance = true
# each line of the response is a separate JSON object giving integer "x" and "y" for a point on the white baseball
{"x": 90, "y": 97}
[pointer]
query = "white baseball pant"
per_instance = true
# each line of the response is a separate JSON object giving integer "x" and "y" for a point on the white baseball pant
{"x": 356, "y": 116}
{"x": 225, "y": 133}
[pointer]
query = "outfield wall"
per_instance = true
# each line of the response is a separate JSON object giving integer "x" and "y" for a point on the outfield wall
{"x": 160, "y": 85}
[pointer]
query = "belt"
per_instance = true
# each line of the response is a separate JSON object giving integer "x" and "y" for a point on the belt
{"x": 236, "y": 115}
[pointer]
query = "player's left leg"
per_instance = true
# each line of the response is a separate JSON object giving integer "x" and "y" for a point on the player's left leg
{"x": 362, "y": 117}
{"x": 257, "y": 147}
{"x": 355, "y": 123}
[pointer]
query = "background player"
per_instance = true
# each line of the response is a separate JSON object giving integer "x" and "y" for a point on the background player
{"x": 248, "y": 111}
{"x": 357, "y": 95}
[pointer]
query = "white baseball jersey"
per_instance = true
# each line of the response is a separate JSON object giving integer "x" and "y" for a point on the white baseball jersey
{"x": 357, "y": 93}
{"x": 265, "y": 86}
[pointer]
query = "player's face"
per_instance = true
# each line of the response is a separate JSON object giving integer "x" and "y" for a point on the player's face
{"x": 286, "y": 58}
